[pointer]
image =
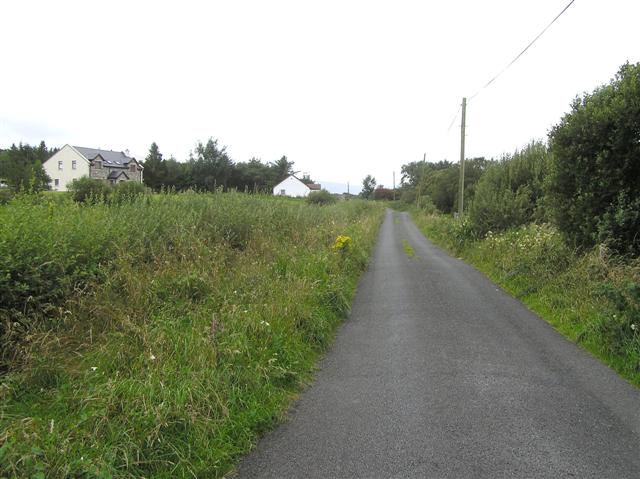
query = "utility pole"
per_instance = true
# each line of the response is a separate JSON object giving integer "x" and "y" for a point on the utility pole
{"x": 424, "y": 159}
{"x": 394, "y": 186}
{"x": 461, "y": 187}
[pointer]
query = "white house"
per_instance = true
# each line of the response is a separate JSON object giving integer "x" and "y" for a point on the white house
{"x": 292, "y": 186}
{"x": 73, "y": 162}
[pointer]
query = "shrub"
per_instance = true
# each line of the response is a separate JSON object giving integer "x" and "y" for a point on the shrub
{"x": 382, "y": 193}
{"x": 408, "y": 196}
{"x": 593, "y": 185}
{"x": 322, "y": 197}
{"x": 509, "y": 192}
{"x": 127, "y": 191}
{"x": 89, "y": 190}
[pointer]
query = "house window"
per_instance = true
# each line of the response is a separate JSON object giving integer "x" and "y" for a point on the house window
{"x": 132, "y": 167}
{"x": 56, "y": 182}
{"x": 60, "y": 165}
{"x": 283, "y": 192}
{"x": 98, "y": 164}
{"x": 74, "y": 164}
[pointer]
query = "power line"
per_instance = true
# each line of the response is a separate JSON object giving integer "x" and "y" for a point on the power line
{"x": 454, "y": 119}
{"x": 522, "y": 52}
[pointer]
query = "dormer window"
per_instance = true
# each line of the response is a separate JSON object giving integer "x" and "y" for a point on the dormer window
{"x": 97, "y": 164}
{"x": 132, "y": 167}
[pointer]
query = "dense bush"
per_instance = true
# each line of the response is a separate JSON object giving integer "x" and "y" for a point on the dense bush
{"x": 89, "y": 190}
{"x": 593, "y": 185}
{"x": 382, "y": 193}
{"x": 322, "y": 197}
{"x": 510, "y": 191}
{"x": 127, "y": 191}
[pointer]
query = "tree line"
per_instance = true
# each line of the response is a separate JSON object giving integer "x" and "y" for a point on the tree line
{"x": 585, "y": 179}
{"x": 208, "y": 168}
{"x": 21, "y": 166}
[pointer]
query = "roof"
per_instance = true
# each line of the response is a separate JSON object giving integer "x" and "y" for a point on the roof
{"x": 314, "y": 186}
{"x": 115, "y": 158}
{"x": 115, "y": 174}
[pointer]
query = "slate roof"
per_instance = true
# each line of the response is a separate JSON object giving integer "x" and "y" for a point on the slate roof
{"x": 115, "y": 174}
{"x": 111, "y": 158}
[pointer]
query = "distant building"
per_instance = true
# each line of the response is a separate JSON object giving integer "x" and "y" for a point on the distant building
{"x": 292, "y": 186}
{"x": 73, "y": 162}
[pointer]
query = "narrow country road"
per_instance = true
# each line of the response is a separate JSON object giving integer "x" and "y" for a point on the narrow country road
{"x": 439, "y": 374}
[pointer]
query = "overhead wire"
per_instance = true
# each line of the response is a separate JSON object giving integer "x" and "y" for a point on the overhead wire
{"x": 522, "y": 52}
{"x": 454, "y": 118}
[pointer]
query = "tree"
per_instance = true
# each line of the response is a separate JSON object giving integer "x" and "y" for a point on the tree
{"x": 368, "y": 187}
{"x": 21, "y": 167}
{"x": 382, "y": 193}
{"x": 595, "y": 168}
{"x": 510, "y": 192}
{"x": 281, "y": 169}
{"x": 211, "y": 167}
{"x": 155, "y": 171}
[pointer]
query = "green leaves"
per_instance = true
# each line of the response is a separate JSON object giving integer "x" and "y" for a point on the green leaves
{"x": 595, "y": 171}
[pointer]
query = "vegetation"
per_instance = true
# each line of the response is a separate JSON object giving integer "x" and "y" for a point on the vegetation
{"x": 435, "y": 185}
{"x": 322, "y": 197}
{"x": 558, "y": 226}
{"x": 593, "y": 184}
{"x": 368, "y": 186}
{"x": 585, "y": 182}
{"x": 91, "y": 190}
{"x": 510, "y": 191}
{"x": 158, "y": 337}
{"x": 21, "y": 167}
{"x": 209, "y": 167}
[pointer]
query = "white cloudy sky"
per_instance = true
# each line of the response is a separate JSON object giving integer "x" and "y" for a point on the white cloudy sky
{"x": 343, "y": 88}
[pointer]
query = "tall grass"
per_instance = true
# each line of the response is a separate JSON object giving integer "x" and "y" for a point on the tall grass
{"x": 592, "y": 298}
{"x": 159, "y": 338}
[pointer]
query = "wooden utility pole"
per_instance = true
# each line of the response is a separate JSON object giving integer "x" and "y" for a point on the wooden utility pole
{"x": 461, "y": 187}
{"x": 394, "y": 186}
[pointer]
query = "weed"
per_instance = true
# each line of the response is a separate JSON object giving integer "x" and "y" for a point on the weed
{"x": 160, "y": 337}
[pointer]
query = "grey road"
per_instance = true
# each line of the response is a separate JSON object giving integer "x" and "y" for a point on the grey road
{"x": 440, "y": 374}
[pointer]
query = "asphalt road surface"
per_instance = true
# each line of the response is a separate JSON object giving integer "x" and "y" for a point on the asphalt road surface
{"x": 438, "y": 373}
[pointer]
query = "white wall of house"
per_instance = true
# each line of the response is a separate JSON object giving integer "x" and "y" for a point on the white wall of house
{"x": 291, "y": 186}
{"x": 64, "y": 167}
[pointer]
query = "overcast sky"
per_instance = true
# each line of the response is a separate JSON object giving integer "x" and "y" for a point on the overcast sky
{"x": 343, "y": 88}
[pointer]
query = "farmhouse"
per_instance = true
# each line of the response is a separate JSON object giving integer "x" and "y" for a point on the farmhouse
{"x": 292, "y": 186}
{"x": 73, "y": 162}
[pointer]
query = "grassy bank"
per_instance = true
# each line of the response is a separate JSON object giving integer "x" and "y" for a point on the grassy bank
{"x": 592, "y": 298}
{"x": 159, "y": 338}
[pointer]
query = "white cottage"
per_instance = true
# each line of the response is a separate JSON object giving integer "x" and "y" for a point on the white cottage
{"x": 73, "y": 162}
{"x": 292, "y": 186}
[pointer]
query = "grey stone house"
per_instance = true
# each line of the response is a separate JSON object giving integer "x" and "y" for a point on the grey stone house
{"x": 73, "y": 162}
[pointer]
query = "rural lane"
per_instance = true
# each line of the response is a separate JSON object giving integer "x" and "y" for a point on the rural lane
{"x": 438, "y": 373}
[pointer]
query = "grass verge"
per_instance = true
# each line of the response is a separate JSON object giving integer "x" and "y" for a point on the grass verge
{"x": 592, "y": 298}
{"x": 163, "y": 336}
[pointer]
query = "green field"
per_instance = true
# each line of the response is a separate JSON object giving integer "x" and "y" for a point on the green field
{"x": 160, "y": 337}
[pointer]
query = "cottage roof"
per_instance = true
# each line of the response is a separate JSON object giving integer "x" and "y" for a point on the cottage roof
{"x": 112, "y": 158}
{"x": 314, "y": 186}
